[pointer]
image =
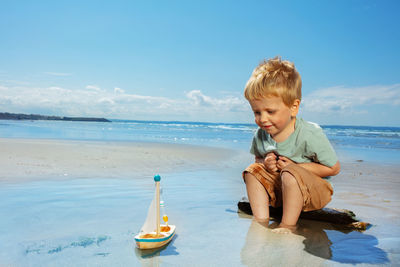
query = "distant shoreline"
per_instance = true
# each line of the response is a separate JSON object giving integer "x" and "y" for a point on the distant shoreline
{"x": 16, "y": 116}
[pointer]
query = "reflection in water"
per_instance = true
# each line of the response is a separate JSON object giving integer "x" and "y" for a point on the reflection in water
{"x": 316, "y": 241}
{"x": 265, "y": 248}
{"x": 340, "y": 244}
{"x": 151, "y": 257}
{"x": 356, "y": 247}
{"x": 321, "y": 239}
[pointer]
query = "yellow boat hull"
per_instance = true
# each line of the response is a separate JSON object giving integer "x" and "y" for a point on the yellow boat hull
{"x": 151, "y": 240}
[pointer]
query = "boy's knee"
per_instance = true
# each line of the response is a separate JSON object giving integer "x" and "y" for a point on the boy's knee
{"x": 288, "y": 180}
{"x": 248, "y": 176}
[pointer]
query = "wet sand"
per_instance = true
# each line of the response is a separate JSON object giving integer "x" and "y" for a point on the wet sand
{"x": 29, "y": 160}
{"x": 59, "y": 205}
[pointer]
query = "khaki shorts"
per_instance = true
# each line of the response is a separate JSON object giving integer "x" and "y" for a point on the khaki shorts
{"x": 316, "y": 191}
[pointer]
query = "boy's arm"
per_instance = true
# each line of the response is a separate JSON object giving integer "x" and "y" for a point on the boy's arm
{"x": 321, "y": 170}
{"x": 259, "y": 160}
{"x": 316, "y": 168}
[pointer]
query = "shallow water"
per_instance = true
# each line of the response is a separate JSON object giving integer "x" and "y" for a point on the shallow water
{"x": 91, "y": 222}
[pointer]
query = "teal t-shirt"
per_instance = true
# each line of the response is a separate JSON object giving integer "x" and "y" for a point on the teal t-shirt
{"x": 307, "y": 143}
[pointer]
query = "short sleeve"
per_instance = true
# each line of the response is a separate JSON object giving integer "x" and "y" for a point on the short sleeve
{"x": 257, "y": 144}
{"x": 320, "y": 150}
{"x": 253, "y": 148}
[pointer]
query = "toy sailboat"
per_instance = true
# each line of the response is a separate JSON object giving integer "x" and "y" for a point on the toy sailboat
{"x": 153, "y": 234}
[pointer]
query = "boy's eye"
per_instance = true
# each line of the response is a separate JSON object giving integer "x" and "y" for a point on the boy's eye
{"x": 271, "y": 111}
{"x": 257, "y": 112}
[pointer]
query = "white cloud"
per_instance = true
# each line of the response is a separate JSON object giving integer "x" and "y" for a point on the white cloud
{"x": 119, "y": 90}
{"x": 199, "y": 99}
{"x": 116, "y": 103}
{"x": 94, "y": 88}
{"x": 229, "y": 103}
{"x": 343, "y": 99}
{"x": 335, "y": 105}
{"x": 106, "y": 101}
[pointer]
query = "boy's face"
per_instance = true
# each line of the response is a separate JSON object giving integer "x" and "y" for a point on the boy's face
{"x": 272, "y": 115}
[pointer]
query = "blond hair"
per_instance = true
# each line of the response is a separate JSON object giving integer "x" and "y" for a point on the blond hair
{"x": 274, "y": 77}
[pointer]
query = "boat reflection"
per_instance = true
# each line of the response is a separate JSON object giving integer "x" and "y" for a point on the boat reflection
{"x": 151, "y": 257}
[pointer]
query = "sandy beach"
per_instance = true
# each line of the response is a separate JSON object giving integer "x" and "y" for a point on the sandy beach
{"x": 36, "y": 159}
{"x": 63, "y": 200}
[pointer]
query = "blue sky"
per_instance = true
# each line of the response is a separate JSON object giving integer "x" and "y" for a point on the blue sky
{"x": 189, "y": 60}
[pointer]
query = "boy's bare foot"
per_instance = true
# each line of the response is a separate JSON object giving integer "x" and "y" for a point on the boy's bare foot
{"x": 281, "y": 230}
{"x": 284, "y": 229}
{"x": 263, "y": 222}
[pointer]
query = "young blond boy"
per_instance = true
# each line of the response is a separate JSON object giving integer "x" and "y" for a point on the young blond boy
{"x": 291, "y": 155}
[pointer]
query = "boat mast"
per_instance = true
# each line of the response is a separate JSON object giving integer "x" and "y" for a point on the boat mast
{"x": 157, "y": 179}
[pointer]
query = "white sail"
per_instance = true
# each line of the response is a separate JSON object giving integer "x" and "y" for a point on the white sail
{"x": 151, "y": 231}
{"x": 150, "y": 224}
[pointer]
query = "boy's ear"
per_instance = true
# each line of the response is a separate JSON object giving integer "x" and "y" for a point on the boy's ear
{"x": 295, "y": 107}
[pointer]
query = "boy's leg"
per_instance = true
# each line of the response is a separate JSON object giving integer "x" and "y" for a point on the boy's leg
{"x": 258, "y": 197}
{"x": 292, "y": 199}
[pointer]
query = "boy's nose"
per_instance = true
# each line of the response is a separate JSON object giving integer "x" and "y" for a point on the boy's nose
{"x": 264, "y": 117}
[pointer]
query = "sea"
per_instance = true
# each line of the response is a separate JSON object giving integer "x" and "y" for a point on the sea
{"x": 367, "y": 143}
{"x": 92, "y": 222}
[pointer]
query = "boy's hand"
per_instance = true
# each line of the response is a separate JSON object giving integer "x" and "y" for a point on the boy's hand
{"x": 283, "y": 162}
{"x": 270, "y": 162}
{"x": 259, "y": 160}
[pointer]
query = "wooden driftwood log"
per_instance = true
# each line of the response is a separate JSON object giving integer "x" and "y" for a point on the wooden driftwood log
{"x": 343, "y": 217}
